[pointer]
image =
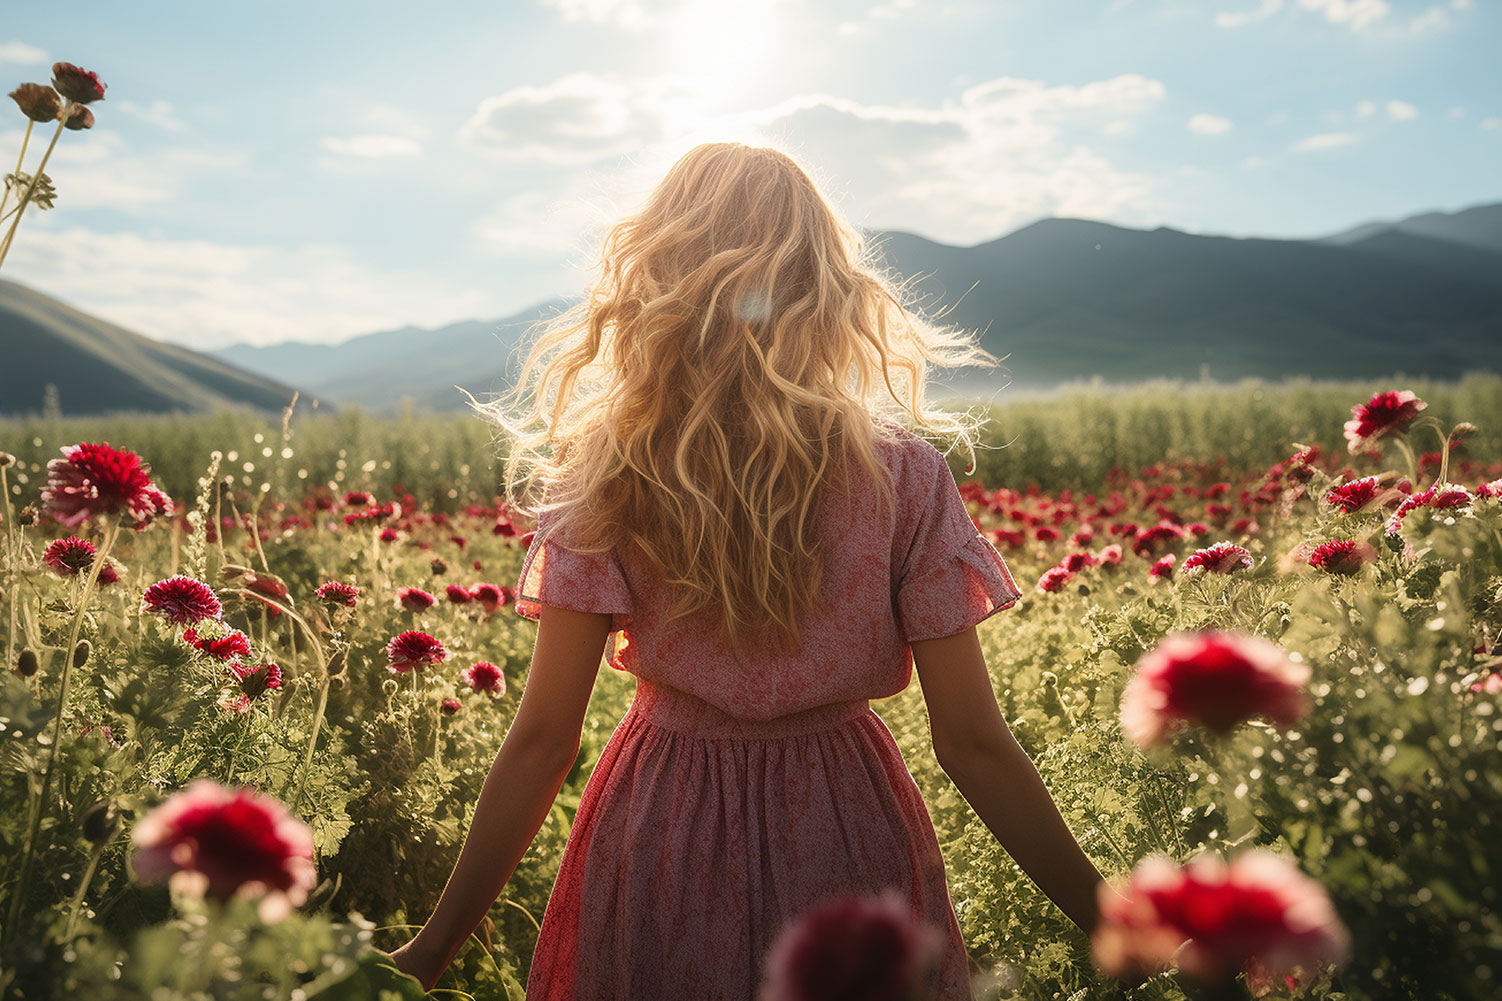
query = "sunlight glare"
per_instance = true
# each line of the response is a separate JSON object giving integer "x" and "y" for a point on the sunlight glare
{"x": 718, "y": 45}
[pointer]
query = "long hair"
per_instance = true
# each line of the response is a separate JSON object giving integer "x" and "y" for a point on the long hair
{"x": 720, "y": 375}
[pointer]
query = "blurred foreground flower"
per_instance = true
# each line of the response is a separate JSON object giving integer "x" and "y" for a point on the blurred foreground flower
{"x": 1215, "y": 679}
{"x": 1215, "y": 919}
{"x": 221, "y": 842}
{"x": 94, "y": 479}
{"x": 853, "y": 949}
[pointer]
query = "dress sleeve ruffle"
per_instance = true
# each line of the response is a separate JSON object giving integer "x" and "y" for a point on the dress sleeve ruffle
{"x": 553, "y": 574}
{"x": 953, "y": 578}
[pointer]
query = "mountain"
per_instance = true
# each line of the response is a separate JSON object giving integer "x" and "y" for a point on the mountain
{"x": 1479, "y": 226}
{"x": 99, "y": 367}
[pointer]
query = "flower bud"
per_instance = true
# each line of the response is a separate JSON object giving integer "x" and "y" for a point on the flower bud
{"x": 6, "y": 459}
{"x": 101, "y": 822}
{"x": 38, "y": 102}
{"x": 78, "y": 118}
{"x": 26, "y": 664}
{"x": 450, "y": 706}
{"x": 77, "y": 84}
{"x": 1461, "y": 431}
{"x": 27, "y": 515}
{"x": 438, "y": 566}
{"x": 81, "y": 653}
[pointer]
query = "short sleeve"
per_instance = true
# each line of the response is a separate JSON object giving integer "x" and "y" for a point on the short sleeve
{"x": 553, "y": 574}
{"x": 952, "y": 577}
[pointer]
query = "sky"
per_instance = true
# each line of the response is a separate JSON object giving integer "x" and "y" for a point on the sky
{"x": 318, "y": 170}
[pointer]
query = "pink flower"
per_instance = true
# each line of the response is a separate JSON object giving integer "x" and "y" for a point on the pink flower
{"x": 1076, "y": 562}
{"x": 1223, "y": 557}
{"x": 182, "y": 600}
{"x": 1492, "y": 490}
{"x": 1342, "y": 556}
{"x": 95, "y": 479}
{"x": 1384, "y": 414}
{"x": 1214, "y": 919}
{"x": 414, "y": 599}
{"x": 1148, "y": 538}
{"x": 1215, "y": 679}
{"x": 450, "y": 705}
{"x": 413, "y": 649}
{"x": 1163, "y": 569}
{"x": 866, "y": 948}
{"x": 1353, "y": 496}
{"x": 1490, "y": 685}
{"x": 222, "y": 842}
{"x": 485, "y": 677}
{"x": 232, "y": 644}
{"x": 253, "y": 682}
{"x": 1438, "y": 497}
{"x": 71, "y": 556}
{"x": 336, "y": 593}
{"x": 1110, "y": 555}
{"x": 458, "y": 594}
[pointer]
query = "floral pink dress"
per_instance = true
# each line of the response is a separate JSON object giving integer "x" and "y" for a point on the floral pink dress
{"x": 729, "y": 800}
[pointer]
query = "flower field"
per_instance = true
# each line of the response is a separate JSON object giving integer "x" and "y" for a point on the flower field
{"x": 1256, "y": 662}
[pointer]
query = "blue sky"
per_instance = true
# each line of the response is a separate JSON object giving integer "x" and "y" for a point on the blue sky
{"x": 277, "y": 170}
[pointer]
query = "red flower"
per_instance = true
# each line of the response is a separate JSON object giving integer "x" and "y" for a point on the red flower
{"x": 1214, "y": 919}
{"x": 110, "y": 572}
{"x": 1353, "y": 496}
{"x": 1223, "y": 557}
{"x": 485, "y": 677}
{"x": 1439, "y": 497}
{"x": 450, "y": 706}
{"x": 1492, "y": 490}
{"x": 71, "y": 556}
{"x": 489, "y": 596}
{"x": 389, "y": 535}
{"x": 77, "y": 84}
{"x": 1214, "y": 679}
{"x": 357, "y": 498}
{"x": 1344, "y": 556}
{"x": 1075, "y": 562}
{"x": 212, "y": 840}
{"x": 337, "y": 593}
{"x": 1163, "y": 569}
{"x": 1054, "y": 579}
{"x": 95, "y": 479}
{"x": 1148, "y": 538}
{"x": 266, "y": 588}
{"x": 1490, "y": 685}
{"x": 414, "y": 599}
{"x": 182, "y": 600}
{"x": 413, "y": 649}
{"x": 458, "y": 594}
{"x": 254, "y": 680}
{"x": 233, "y": 644}
{"x": 1384, "y": 414}
{"x": 867, "y": 948}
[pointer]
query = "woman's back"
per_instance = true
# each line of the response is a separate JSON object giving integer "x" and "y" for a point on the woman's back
{"x": 744, "y": 787}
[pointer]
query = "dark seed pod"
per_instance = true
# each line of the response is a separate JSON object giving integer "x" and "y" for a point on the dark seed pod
{"x": 438, "y": 566}
{"x": 101, "y": 822}
{"x": 27, "y": 515}
{"x": 26, "y": 664}
{"x": 81, "y": 653}
{"x": 6, "y": 459}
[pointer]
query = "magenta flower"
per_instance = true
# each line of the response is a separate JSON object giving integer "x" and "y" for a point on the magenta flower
{"x": 253, "y": 682}
{"x": 413, "y": 649}
{"x": 485, "y": 677}
{"x": 232, "y": 644}
{"x": 1257, "y": 914}
{"x": 71, "y": 556}
{"x": 866, "y": 948}
{"x": 489, "y": 596}
{"x": 450, "y": 705}
{"x": 96, "y": 479}
{"x": 1054, "y": 579}
{"x": 1440, "y": 496}
{"x": 211, "y": 840}
{"x": 1384, "y": 414}
{"x": 1215, "y": 679}
{"x": 1223, "y": 557}
{"x": 1163, "y": 568}
{"x": 458, "y": 594}
{"x": 182, "y": 600}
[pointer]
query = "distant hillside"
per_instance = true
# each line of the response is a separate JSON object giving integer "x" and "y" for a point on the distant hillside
{"x": 98, "y": 367}
{"x": 1479, "y": 226}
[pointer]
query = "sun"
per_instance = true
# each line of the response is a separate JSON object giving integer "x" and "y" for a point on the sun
{"x": 721, "y": 46}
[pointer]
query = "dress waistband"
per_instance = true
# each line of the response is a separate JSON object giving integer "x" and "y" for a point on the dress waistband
{"x": 677, "y": 710}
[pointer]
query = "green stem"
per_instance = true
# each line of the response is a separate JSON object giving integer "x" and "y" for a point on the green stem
{"x": 26, "y": 198}
{"x": 13, "y": 559}
{"x": 57, "y": 730}
{"x": 307, "y": 758}
{"x": 26, "y": 138}
{"x": 1413, "y": 464}
{"x": 83, "y": 886}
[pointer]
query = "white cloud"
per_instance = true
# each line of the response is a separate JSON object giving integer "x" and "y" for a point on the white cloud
{"x": 1236, "y": 19}
{"x": 1487, "y": 124}
{"x": 1402, "y": 110}
{"x": 371, "y": 146}
{"x": 1323, "y": 140}
{"x": 531, "y": 223}
{"x": 1357, "y": 13}
{"x": 1116, "y": 128}
{"x": 20, "y": 52}
{"x": 206, "y": 294}
{"x": 158, "y": 113}
{"x": 1209, "y": 125}
{"x": 1366, "y": 109}
{"x": 625, "y": 13}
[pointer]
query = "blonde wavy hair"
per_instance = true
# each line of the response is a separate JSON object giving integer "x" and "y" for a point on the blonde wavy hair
{"x": 718, "y": 377}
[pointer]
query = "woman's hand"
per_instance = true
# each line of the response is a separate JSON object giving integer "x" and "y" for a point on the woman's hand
{"x": 417, "y": 961}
